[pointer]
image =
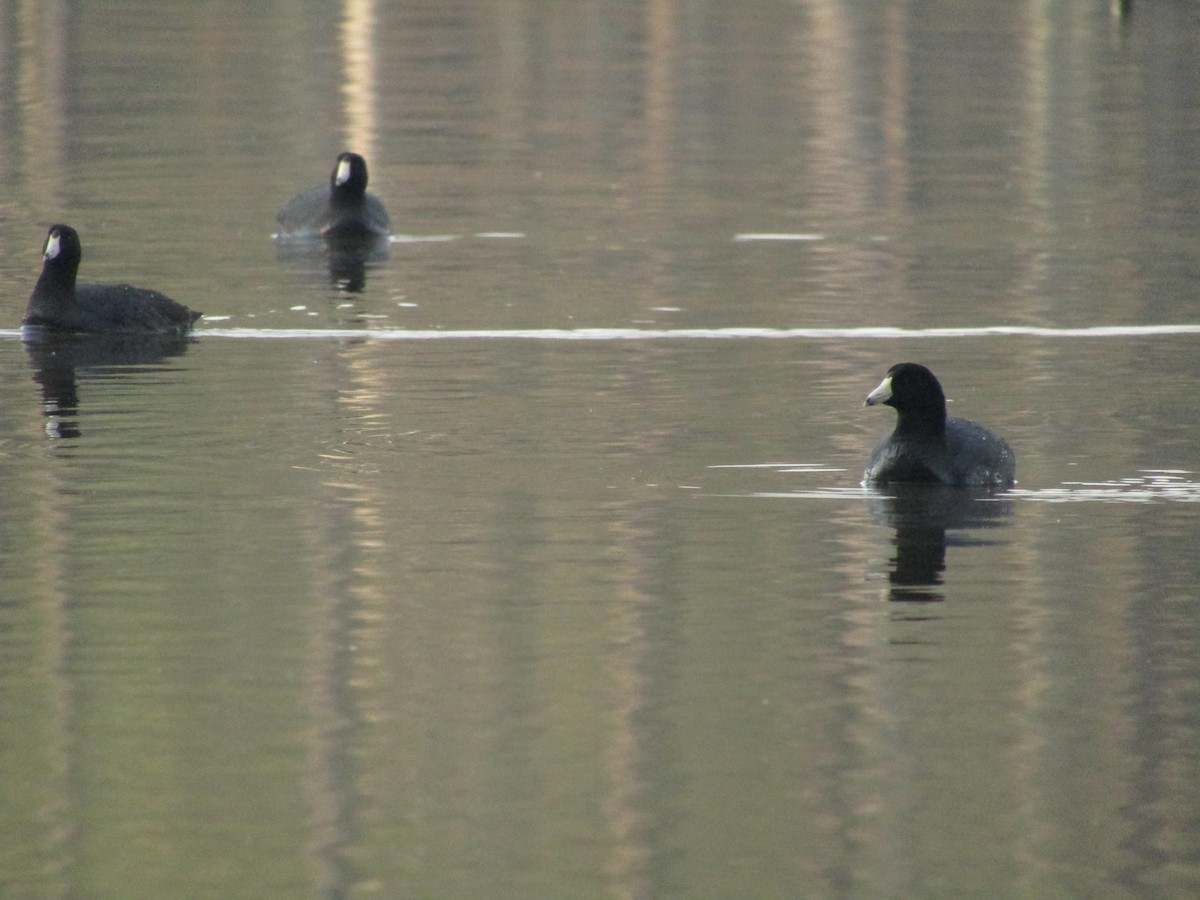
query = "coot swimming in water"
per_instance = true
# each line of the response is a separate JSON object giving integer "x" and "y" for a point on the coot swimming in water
{"x": 928, "y": 447}
{"x": 342, "y": 211}
{"x": 59, "y": 304}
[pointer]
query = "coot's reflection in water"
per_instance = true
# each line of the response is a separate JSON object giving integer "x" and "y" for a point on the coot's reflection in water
{"x": 927, "y": 519}
{"x": 344, "y": 261}
{"x": 58, "y": 358}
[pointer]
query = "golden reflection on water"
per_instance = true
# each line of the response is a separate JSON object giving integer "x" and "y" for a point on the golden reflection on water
{"x": 42, "y": 73}
{"x": 356, "y": 37}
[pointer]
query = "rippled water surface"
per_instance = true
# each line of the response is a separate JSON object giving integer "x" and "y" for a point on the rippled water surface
{"x": 530, "y": 558}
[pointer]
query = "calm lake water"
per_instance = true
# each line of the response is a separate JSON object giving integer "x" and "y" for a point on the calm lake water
{"x": 531, "y": 560}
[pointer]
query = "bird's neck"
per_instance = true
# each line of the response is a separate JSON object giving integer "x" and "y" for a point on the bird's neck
{"x": 922, "y": 421}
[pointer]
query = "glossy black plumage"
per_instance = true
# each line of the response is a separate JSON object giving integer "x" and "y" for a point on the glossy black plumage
{"x": 926, "y": 445}
{"x": 342, "y": 211}
{"x": 59, "y": 304}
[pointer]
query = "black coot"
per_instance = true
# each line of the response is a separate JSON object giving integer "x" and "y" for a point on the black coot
{"x": 59, "y": 304}
{"x": 928, "y": 447}
{"x": 342, "y": 211}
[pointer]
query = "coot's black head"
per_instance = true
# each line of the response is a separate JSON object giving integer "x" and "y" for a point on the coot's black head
{"x": 348, "y": 183}
{"x": 60, "y": 256}
{"x": 914, "y": 392}
{"x": 62, "y": 245}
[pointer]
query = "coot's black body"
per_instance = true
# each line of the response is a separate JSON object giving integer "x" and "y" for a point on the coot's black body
{"x": 59, "y": 304}
{"x": 343, "y": 211}
{"x": 926, "y": 446}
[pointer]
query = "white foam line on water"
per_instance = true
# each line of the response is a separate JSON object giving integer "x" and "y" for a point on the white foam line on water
{"x": 767, "y": 465}
{"x": 831, "y": 493}
{"x": 422, "y": 238}
{"x": 656, "y": 334}
{"x": 777, "y": 236}
{"x": 660, "y": 334}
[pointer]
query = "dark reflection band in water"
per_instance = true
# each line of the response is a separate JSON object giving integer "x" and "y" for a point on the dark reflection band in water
{"x": 344, "y": 263}
{"x": 926, "y": 519}
{"x": 58, "y": 359}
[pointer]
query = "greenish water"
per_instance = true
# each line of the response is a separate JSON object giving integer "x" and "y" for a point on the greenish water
{"x": 532, "y": 560}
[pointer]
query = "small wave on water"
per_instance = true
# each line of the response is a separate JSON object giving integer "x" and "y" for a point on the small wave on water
{"x": 818, "y": 492}
{"x": 1148, "y": 486}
